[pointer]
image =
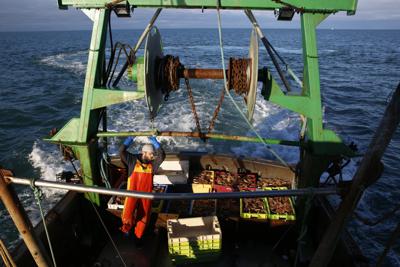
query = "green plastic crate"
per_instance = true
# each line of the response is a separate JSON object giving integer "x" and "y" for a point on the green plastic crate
{"x": 274, "y": 216}
{"x": 249, "y": 215}
{"x": 194, "y": 239}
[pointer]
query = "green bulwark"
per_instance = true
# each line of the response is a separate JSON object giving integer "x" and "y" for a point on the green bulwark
{"x": 319, "y": 145}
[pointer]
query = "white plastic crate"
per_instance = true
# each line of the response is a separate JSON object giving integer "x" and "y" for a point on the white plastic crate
{"x": 194, "y": 239}
{"x": 172, "y": 172}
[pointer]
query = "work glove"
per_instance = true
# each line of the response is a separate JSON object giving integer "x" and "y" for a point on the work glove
{"x": 154, "y": 142}
{"x": 128, "y": 141}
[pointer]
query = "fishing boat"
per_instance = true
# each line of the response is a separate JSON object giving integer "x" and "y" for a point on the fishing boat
{"x": 213, "y": 209}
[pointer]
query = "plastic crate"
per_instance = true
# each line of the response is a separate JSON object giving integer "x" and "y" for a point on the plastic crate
{"x": 252, "y": 186}
{"x": 264, "y": 182}
{"x": 222, "y": 188}
{"x": 115, "y": 202}
{"x": 194, "y": 239}
{"x": 204, "y": 188}
{"x": 275, "y": 216}
{"x": 251, "y": 215}
{"x": 157, "y": 205}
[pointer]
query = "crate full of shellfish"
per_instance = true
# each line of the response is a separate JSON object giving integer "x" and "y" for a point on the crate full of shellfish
{"x": 203, "y": 182}
{"x": 253, "y": 208}
{"x": 280, "y": 208}
{"x": 224, "y": 181}
{"x": 246, "y": 181}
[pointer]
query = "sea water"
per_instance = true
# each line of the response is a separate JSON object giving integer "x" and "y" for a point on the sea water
{"x": 41, "y": 84}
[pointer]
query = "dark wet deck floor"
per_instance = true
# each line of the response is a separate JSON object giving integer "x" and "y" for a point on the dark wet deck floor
{"x": 243, "y": 244}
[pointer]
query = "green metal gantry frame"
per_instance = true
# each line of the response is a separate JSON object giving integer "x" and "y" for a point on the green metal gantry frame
{"x": 320, "y": 145}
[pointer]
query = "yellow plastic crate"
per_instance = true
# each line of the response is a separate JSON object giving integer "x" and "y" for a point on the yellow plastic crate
{"x": 275, "y": 216}
{"x": 250, "y": 215}
{"x": 204, "y": 188}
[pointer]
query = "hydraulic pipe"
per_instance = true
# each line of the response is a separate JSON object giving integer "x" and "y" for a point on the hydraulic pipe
{"x": 21, "y": 221}
{"x": 174, "y": 196}
{"x": 138, "y": 44}
{"x": 197, "y": 135}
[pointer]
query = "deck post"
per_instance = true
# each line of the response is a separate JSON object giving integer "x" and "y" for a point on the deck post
{"x": 89, "y": 119}
{"x": 22, "y": 222}
{"x": 369, "y": 170}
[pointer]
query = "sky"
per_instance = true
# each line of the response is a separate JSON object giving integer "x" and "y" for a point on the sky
{"x": 44, "y": 15}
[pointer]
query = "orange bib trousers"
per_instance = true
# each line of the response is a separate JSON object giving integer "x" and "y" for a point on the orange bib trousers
{"x": 140, "y": 180}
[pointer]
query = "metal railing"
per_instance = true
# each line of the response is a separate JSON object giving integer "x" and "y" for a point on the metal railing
{"x": 171, "y": 196}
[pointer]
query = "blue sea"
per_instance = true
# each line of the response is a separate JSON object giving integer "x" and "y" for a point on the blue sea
{"x": 41, "y": 82}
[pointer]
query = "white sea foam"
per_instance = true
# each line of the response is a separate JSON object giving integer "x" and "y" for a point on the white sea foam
{"x": 71, "y": 61}
{"x": 289, "y": 50}
{"x": 47, "y": 159}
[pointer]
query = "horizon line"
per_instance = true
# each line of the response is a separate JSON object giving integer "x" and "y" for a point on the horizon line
{"x": 199, "y": 28}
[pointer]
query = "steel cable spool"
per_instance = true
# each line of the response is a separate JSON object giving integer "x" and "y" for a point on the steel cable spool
{"x": 161, "y": 76}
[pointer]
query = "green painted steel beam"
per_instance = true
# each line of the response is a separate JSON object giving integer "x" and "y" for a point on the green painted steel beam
{"x": 327, "y": 6}
{"x": 311, "y": 80}
{"x": 69, "y": 133}
{"x": 89, "y": 118}
{"x": 107, "y": 97}
{"x": 297, "y": 103}
{"x": 197, "y": 135}
{"x": 88, "y": 155}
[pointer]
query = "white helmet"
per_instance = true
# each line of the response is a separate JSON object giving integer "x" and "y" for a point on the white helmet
{"x": 148, "y": 148}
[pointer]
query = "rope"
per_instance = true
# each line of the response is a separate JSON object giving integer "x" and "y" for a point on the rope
{"x": 37, "y": 192}
{"x": 271, "y": 51}
{"x": 109, "y": 235}
{"x": 103, "y": 171}
{"x": 130, "y": 57}
{"x": 304, "y": 227}
{"x": 102, "y": 222}
{"x": 234, "y": 102}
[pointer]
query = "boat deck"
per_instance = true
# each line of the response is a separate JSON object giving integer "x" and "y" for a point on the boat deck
{"x": 243, "y": 243}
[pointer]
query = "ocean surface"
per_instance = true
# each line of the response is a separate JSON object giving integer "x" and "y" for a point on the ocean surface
{"x": 41, "y": 84}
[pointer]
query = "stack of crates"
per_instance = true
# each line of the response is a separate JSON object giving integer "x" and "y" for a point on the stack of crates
{"x": 192, "y": 240}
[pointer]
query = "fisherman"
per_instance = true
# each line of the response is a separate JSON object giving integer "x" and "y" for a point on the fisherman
{"x": 141, "y": 168}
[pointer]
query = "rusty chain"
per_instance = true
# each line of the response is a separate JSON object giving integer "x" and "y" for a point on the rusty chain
{"x": 170, "y": 66}
{"x": 237, "y": 80}
{"x": 237, "y": 75}
{"x": 191, "y": 100}
{"x": 216, "y": 111}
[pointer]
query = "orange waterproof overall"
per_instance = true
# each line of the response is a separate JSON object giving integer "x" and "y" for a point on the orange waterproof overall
{"x": 140, "y": 180}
